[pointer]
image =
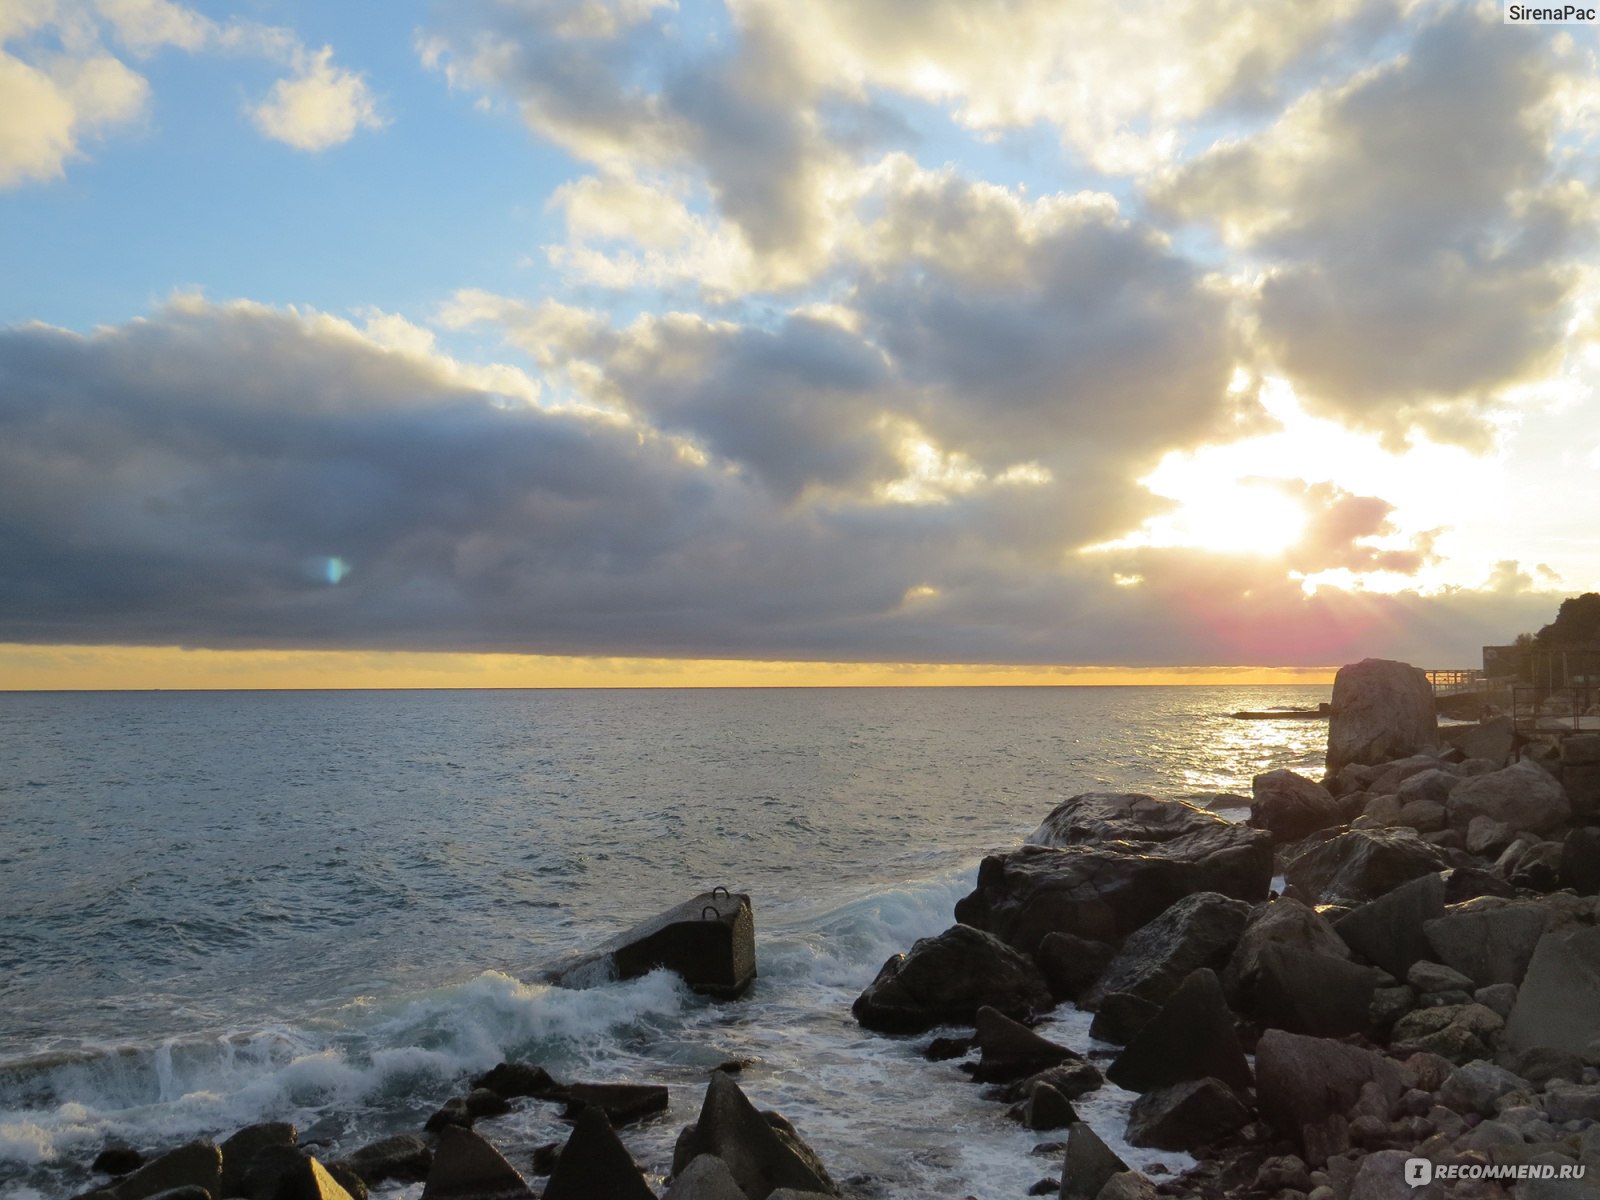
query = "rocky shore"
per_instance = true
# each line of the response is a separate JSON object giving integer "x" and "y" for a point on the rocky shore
{"x": 1396, "y": 962}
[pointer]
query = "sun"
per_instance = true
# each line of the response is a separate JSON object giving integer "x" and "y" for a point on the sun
{"x": 1248, "y": 517}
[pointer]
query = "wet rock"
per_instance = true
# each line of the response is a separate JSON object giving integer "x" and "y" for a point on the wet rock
{"x": 946, "y": 979}
{"x": 1071, "y": 963}
{"x": 1558, "y": 1004}
{"x": 452, "y": 1112}
{"x": 485, "y": 1102}
{"x": 1580, "y": 861}
{"x": 1312, "y": 993}
{"x": 1120, "y": 1017}
{"x": 197, "y": 1164}
{"x": 308, "y": 1179}
{"x": 117, "y": 1159}
{"x": 1488, "y": 945}
{"x": 1302, "y": 1081}
{"x": 405, "y": 1157}
{"x": 709, "y": 941}
{"x": 1198, "y": 931}
{"x": 759, "y": 1155}
{"x": 1105, "y": 892}
{"x": 705, "y": 1178}
{"x": 1388, "y": 931}
{"x": 545, "y": 1158}
{"x": 1186, "y": 1115}
{"x": 943, "y": 1049}
{"x": 1090, "y": 1164}
{"x": 1381, "y": 710}
{"x": 1046, "y": 1108}
{"x": 1073, "y": 1078}
{"x": 1048, "y": 1186}
{"x": 516, "y": 1079}
{"x": 1524, "y": 795}
{"x": 1290, "y": 806}
{"x": 240, "y": 1150}
{"x": 1193, "y": 1036}
{"x": 1011, "y": 1050}
{"x": 622, "y": 1103}
{"x": 594, "y": 1165}
{"x": 1362, "y": 864}
{"x": 1284, "y": 922}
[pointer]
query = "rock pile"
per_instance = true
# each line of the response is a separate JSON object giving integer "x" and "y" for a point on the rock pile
{"x": 1426, "y": 986}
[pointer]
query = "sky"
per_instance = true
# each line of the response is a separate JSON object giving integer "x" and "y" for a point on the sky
{"x": 611, "y": 341}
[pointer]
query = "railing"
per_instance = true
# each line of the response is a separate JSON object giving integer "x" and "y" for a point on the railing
{"x": 1454, "y": 681}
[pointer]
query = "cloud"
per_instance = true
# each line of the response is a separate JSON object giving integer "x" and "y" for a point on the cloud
{"x": 1417, "y": 233}
{"x": 320, "y": 107}
{"x": 63, "y": 82}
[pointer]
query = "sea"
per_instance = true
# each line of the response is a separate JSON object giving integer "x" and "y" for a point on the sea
{"x": 332, "y": 907}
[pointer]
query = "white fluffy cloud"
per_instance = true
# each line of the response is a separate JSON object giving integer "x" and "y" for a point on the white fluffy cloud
{"x": 48, "y": 109}
{"x": 320, "y": 106}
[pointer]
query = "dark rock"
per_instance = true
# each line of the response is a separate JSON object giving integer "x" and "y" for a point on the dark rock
{"x": 1491, "y": 739}
{"x": 1524, "y": 795}
{"x": 1459, "y": 1032}
{"x": 1047, "y": 1108}
{"x": 1290, "y": 806}
{"x": 1011, "y": 1050}
{"x": 622, "y": 1103}
{"x": 1191, "y": 1037}
{"x": 545, "y": 1158}
{"x": 1539, "y": 869}
{"x": 1312, "y": 993}
{"x": 1432, "y": 786}
{"x": 1089, "y": 1165}
{"x": 1428, "y": 976}
{"x": 117, "y": 1160}
{"x": 1468, "y": 883}
{"x": 240, "y": 1150}
{"x": 1558, "y": 1003}
{"x": 946, "y": 979}
{"x": 485, "y": 1102}
{"x": 1127, "y": 1185}
{"x": 942, "y": 1049}
{"x": 347, "y": 1179}
{"x": 1488, "y": 945}
{"x": 452, "y": 1112}
{"x": 705, "y": 1178}
{"x": 1282, "y": 922}
{"x": 1120, "y": 1017}
{"x": 1048, "y": 1186}
{"x": 1071, "y": 963}
{"x": 1429, "y": 819}
{"x": 1474, "y": 1087}
{"x": 1301, "y": 1081}
{"x": 197, "y": 1164}
{"x": 405, "y": 1157}
{"x": 759, "y": 1156}
{"x": 1186, "y": 1115}
{"x": 708, "y": 941}
{"x": 1103, "y": 893}
{"x": 594, "y": 1165}
{"x": 1580, "y": 861}
{"x": 1362, "y": 864}
{"x": 1541, "y": 1065}
{"x": 193, "y": 1191}
{"x": 1198, "y": 931}
{"x": 1073, "y": 1078}
{"x": 516, "y": 1079}
{"x": 1096, "y": 818}
{"x": 1388, "y": 931}
{"x": 1388, "y": 1006}
{"x": 1388, "y": 778}
{"x": 269, "y": 1165}
{"x": 1381, "y": 710}
{"x": 308, "y": 1179}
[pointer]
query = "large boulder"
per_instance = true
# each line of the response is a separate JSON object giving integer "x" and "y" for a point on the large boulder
{"x": 404, "y": 1156}
{"x": 1488, "y": 945}
{"x": 710, "y": 941}
{"x": 1095, "y": 818}
{"x": 1312, "y": 993}
{"x": 240, "y": 1150}
{"x": 706, "y": 1178}
{"x": 1389, "y": 931}
{"x": 946, "y": 979}
{"x": 1558, "y": 1004}
{"x": 1362, "y": 864}
{"x": 1382, "y": 710}
{"x": 466, "y": 1167}
{"x": 761, "y": 1155}
{"x": 1198, "y": 931}
{"x": 1105, "y": 892}
{"x": 1090, "y": 1164}
{"x": 1285, "y": 921}
{"x": 197, "y": 1164}
{"x": 593, "y": 1164}
{"x": 1193, "y": 1036}
{"x": 1524, "y": 796}
{"x": 1490, "y": 740}
{"x": 1290, "y": 806}
{"x": 1010, "y": 1050}
{"x": 1302, "y": 1081}
{"x": 1186, "y": 1115}
{"x": 1071, "y": 963}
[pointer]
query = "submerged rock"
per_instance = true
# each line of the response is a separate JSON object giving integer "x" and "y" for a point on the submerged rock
{"x": 947, "y": 979}
{"x": 1382, "y": 710}
{"x": 708, "y": 941}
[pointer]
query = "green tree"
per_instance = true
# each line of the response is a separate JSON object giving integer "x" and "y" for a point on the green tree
{"x": 1577, "y": 620}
